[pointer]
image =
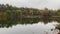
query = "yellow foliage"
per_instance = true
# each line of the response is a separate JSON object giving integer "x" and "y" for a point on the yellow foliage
{"x": 18, "y": 11}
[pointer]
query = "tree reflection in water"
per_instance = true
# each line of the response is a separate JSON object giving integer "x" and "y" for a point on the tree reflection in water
{"x": 10, "y": 23}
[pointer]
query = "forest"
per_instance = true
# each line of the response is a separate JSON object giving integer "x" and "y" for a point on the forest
{"x": 9, "y": 12}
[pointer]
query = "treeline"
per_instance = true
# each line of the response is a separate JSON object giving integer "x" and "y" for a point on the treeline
{"x": 13, "y": 14}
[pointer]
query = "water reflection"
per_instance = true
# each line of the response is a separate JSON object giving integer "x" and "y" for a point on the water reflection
{"x": 38, "y": 28}
{"x": 26, "y": 21}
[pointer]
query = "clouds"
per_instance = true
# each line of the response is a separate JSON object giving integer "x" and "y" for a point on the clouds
{"x": 51, "y": 4}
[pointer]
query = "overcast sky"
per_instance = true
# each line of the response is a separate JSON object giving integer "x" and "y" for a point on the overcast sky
{"x": 51, "y": 4}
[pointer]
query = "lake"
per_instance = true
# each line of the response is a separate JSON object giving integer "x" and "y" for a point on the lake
{"x": 36, "y": 28}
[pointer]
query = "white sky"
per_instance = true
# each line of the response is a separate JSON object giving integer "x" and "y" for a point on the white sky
{"x": 51, "y": 4}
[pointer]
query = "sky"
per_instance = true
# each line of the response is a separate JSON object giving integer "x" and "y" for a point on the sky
{"x": 40, "y": 4}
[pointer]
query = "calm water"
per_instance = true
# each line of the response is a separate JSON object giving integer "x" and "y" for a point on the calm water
{"x": 37, "y": 28}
